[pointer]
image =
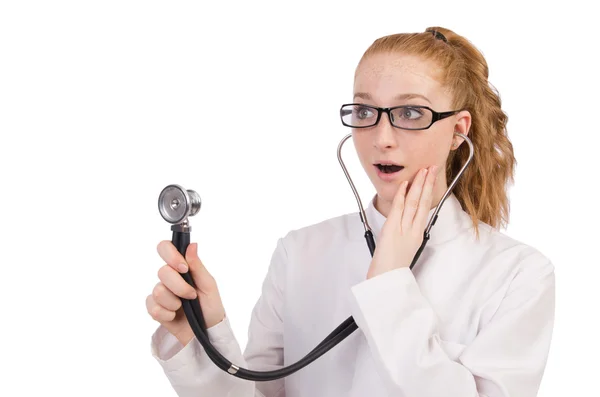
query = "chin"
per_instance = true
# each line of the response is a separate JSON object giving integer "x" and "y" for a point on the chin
{"x": 387, "y": 192}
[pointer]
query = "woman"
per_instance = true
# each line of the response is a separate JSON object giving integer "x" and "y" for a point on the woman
{"x": 473, "y": 317}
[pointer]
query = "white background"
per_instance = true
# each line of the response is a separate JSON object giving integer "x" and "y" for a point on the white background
{"x": 102, "y": 104}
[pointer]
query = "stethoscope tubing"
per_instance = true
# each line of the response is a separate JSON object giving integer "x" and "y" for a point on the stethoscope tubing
{"x": 193, "y": 311}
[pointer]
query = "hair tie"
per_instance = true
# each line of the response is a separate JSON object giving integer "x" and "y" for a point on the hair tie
{"x": 438, "y": 35}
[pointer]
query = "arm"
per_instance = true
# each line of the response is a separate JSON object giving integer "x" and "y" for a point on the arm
{"x": 193, "y": 374}
{"x": 506, "y": 359}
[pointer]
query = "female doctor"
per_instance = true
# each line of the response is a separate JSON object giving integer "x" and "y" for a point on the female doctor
{"x": 474, "y": 317}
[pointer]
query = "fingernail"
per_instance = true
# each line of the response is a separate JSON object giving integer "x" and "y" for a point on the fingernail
{"x": 434, "y": 169}
{"x": 425, "y": 171}
{"x": 182, "y": 267}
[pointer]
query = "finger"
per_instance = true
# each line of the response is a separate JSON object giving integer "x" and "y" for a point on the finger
{"x": 171, "y": 256}
{"x": 426, "y": 200}
{"x": 165, "y": 298}
{"x": 412, "y": 200}
{"x": 202, "y": 278}
{"x": 398, "y": 204}
{"x": 157, "y": 312}
{"x": 175, "y": 283}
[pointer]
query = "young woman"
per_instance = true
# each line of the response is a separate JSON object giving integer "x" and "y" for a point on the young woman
{"x": 474, "y": 317}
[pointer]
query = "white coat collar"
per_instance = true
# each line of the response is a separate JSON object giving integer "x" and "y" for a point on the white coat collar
{"x": 452, "y": 219}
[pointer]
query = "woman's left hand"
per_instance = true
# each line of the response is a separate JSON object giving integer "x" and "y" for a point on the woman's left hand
{"x": 402, "y": 233}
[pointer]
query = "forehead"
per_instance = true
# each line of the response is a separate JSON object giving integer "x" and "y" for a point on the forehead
{"x": 385, "y": 76}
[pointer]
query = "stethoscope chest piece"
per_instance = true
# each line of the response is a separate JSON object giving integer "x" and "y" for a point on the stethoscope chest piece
{"x": 176, "y": 204}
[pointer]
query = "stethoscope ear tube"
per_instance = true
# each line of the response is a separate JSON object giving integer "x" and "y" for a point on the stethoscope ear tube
{"x": 170, "y": 202}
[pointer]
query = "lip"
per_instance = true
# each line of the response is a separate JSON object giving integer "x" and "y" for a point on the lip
{"x": 387, "y": 177}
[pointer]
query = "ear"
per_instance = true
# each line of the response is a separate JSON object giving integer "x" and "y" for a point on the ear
{"x": 462, "y": 126}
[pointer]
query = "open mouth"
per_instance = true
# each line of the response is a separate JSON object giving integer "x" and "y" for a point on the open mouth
{"x": 389, "y": 168}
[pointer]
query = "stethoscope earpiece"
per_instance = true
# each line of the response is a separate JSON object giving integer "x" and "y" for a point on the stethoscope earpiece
{"x": 176, "y": 204}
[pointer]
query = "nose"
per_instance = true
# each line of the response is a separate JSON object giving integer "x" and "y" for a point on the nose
{"x": 385, "y": 133}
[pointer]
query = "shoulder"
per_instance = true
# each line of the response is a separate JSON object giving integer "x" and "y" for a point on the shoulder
{"x": 323, "y": 232}
{"x": 503, "y": 250}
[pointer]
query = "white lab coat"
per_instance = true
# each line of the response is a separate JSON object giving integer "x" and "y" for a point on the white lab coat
{"x": 472, "y": 318}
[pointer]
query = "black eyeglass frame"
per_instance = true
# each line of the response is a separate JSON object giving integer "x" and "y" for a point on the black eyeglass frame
{"x": 436, "y": 116}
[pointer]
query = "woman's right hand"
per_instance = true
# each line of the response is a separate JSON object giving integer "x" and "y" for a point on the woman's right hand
{"x": 164, "y": 304}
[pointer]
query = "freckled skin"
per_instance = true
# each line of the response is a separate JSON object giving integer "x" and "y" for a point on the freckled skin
{"x": 384, "y": 76}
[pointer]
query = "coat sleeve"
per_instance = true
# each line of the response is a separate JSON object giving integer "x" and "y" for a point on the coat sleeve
{"x": 507, "y": 358}
{"x": 191, "y": 372}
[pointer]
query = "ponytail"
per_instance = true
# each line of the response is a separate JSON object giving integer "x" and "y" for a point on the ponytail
{"x": 482, "y": 189}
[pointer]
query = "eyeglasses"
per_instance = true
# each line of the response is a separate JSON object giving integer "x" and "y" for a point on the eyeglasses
{"x": 409, "y": 117}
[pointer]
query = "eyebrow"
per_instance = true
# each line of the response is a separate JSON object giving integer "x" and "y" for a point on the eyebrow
{"x": 368, "y": 97}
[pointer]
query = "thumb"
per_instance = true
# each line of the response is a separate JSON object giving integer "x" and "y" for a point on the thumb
{"x": 202, "y": 278}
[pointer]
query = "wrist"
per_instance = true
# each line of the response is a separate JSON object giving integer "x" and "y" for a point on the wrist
{"x": 375, "y": 273}
{"x": 185, "y": 337}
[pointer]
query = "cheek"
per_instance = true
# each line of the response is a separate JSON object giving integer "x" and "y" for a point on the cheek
{"x": 428, "y": 150}
{"x": 421, "y": 152}
{"x": 361, "y": 146}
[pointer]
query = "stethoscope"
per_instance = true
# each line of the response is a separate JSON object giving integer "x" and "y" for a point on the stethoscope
{"x": 176, "y": 204}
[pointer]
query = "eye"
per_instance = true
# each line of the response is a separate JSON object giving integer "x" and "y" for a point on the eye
{"x": 363, "y": 113}
{"x": 411, "y": 113}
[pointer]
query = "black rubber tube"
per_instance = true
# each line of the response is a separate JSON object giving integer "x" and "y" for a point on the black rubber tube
{"x": 420, "y": 250}
{"x": 193, "y": 313}
{"x": 370, "y": 242}
{"x": 181, "y": 241}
